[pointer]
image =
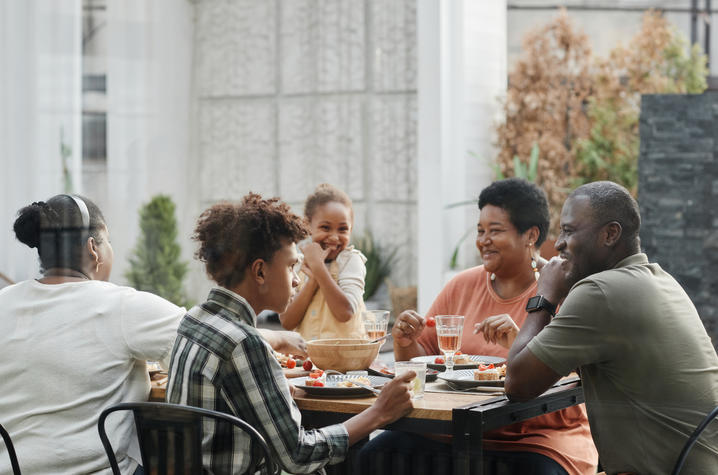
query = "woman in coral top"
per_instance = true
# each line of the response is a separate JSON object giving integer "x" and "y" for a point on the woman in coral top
{"x": 492, "y": 297}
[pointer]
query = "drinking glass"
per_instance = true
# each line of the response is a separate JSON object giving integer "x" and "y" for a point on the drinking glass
{"x": 448, "y": 331}
{"x": 375, "y": 323}
{"x": 419, "y": 382}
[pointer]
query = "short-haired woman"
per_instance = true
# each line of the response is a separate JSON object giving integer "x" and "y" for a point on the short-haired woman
{"x": 513, "y": 223}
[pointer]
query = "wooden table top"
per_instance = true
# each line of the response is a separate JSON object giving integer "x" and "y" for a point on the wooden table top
{"x": 433, "y": 406}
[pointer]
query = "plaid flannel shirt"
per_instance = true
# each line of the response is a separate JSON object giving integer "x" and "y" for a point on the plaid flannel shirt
{"x": 220, "y": 362}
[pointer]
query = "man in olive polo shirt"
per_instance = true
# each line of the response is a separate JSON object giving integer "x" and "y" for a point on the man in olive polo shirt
{"x": 649, "y": 369}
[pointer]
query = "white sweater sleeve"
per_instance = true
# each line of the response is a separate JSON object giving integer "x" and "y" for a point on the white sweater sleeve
{"x": 352, "y": 273}
{"x": 149, "y": 325}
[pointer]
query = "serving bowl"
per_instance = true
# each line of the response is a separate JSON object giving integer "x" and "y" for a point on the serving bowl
{"x": 342, "y": 354}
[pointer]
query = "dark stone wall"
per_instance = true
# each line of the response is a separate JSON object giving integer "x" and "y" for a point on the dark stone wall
{"x": 678, "y": 193}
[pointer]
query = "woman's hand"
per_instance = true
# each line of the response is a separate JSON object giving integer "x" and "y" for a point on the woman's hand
{"x": 314, "y": 255}
{"x": 289, "y": 343}
{"x": 407, "y": 328}
{"x": 500, "y": 329}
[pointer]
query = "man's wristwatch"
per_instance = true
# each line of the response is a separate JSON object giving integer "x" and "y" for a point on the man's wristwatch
{"x": 539, "y": 302}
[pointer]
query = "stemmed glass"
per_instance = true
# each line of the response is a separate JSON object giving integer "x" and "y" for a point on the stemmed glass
{"x": 448, "y": 331}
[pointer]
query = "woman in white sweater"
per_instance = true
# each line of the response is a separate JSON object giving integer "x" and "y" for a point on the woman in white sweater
{"x": 72, "y": 344}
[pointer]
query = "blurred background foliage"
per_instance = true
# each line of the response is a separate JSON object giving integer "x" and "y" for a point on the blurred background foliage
{"x": 580, "y": 113}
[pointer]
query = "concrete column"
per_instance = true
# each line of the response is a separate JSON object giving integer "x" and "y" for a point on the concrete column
{"x": 149, "y": 122}
{"x": 461, "y": 75}
{"x": 40, "y": 87}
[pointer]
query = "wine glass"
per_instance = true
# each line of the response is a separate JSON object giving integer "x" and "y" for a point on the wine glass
{"x": 448, "y": 331}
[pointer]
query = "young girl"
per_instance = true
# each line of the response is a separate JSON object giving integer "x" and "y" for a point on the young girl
{"x": 329, "y": 301}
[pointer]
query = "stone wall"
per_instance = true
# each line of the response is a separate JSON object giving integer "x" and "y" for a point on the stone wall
{"x": 290, "y": 94}
{"x": 678, "y": 191}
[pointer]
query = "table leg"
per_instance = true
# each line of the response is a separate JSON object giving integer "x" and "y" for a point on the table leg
{"x": 467, "y": 444}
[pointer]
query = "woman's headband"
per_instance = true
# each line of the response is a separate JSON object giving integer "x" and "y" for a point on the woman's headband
{"x": 83, "y": 211}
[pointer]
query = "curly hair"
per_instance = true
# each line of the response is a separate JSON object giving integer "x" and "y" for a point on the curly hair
{"x": 525, "y": 203}
{"x": 56, "y": 229}
{"x": 323, "y": 194}
{"x": 233, "y": 235}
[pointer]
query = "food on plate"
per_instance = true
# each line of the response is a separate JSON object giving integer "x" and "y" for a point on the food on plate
{"x": 439, "y": 360}
{"x": 348, "y": 383}
{"x": 489, "y": 372}
{"x": 316, "y": 378}
{"x": 288, "y": 361}
{"x": 307, "y": 365}
{"x": 460, "y": 358}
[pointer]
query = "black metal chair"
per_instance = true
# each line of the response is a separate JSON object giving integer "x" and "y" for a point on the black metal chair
{"x": 692, "y": 440}
{"x": 10, "y": 450}
{"x": 170, "y": 438}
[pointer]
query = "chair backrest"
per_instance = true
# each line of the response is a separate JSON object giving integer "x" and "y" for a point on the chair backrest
{"x": 10, "y": 450}
{"x": 170, "y": 438}
{"x": 692, "y": 440}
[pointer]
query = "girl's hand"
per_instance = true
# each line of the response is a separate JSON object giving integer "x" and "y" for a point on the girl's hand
{"x": 307, "y": 271}
{"x": 314, "y": 255}
{"x": 407, "y": 328}
{"x": 500, "y": 329}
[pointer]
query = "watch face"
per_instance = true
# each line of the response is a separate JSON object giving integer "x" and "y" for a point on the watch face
{"x": 533, "y": 302}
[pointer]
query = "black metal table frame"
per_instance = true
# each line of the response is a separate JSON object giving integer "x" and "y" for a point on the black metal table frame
{"x": 470, "y": 422}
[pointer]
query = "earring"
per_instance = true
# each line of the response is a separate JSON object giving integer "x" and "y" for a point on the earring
{"x": 97, "y": 267}
{"x": 493, "y": 277}
{"x": 534, "y": 266}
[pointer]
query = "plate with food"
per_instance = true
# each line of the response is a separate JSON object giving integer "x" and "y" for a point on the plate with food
{"x": 380, "y": 368}
{"x": 485, "y": 375}
{"x": 318, "y": 383}
{"x": 461, "y": 361}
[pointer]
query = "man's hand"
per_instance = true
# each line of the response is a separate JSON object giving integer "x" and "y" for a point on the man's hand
{"x": 554, "y": 282}
{"x": 499, "y": 329}
{"x": 407, "y": 328}
{"x": 394, "y": 401}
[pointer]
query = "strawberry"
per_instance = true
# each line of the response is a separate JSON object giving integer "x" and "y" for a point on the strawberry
{"x": 439, "y": 360}
{"x": 430, "y": 322}
{"x": 291, "y": 363}
{"x": 307, "y": 365}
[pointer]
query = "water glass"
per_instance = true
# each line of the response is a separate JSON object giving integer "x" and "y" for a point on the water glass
{"x": 448, "y": 331}
{"x": 419, "y": 382}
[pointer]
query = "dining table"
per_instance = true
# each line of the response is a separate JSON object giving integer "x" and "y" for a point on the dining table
{"x": 463, "y": 415}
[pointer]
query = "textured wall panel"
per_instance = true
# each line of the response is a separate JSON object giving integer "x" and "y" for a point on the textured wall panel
{"x": 320, "y": 140}
{"x": 393, "y": 154}
{"x": 678, "y": 174}
{"x": 393, "y": 54}
{"x": 322, "y": 46}
{"x": 237, "y": 149}
{"x": 235, "y": 47}
{"x": 395, "y": 225}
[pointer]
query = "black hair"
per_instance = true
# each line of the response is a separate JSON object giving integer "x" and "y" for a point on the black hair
{"x": 524, "y": 202}
{"x": 58, "y": 230}
{"x": 233, "y": 235}
{"x": 323, "y": 194}
{"x": 610, "y": 201}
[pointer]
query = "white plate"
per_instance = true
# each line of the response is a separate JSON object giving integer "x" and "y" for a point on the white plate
{"x": 330, "y": 388}
{"x": 429, "y": 360}
{"x": 464, "y": 378}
